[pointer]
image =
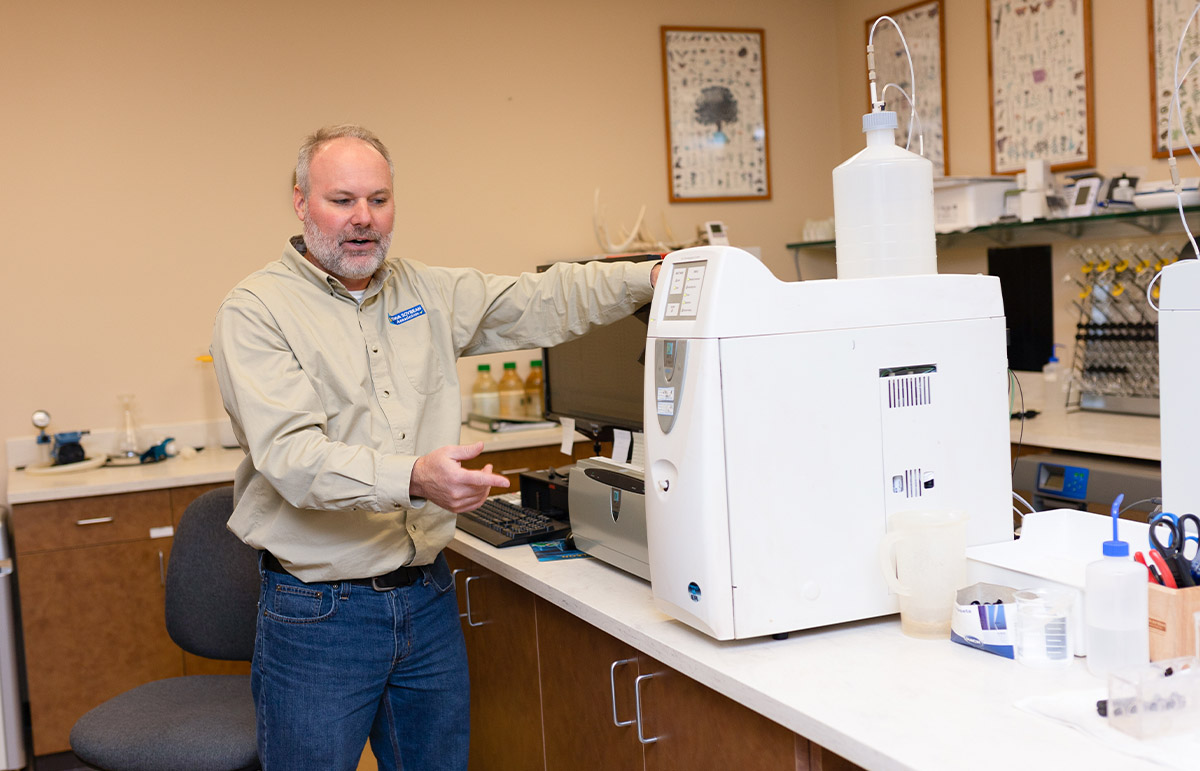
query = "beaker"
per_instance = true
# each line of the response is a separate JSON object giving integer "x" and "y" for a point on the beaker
{"x": 127, "y": 445}
{"x": 1043, "y": 628}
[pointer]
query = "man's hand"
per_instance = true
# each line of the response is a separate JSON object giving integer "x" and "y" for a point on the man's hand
{"x": 439, "y": 477}
{"x": 654, "y": 274}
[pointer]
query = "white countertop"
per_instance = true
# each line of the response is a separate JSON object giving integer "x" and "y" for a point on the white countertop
{"x": 862, "y": 690}
{"x": 209, "y": 467}
{"x": 1103, "y": 433}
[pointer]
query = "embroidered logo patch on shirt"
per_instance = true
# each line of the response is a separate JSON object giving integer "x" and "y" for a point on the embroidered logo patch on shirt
{"x": 408, "y": 315}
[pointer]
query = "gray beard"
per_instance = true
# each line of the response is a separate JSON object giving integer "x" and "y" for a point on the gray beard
{"x": 326, "y": 249}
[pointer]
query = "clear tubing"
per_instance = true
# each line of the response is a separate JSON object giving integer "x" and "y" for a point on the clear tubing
{"x": 912, "y": 77}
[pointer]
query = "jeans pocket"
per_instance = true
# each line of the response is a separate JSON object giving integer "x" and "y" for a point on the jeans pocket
{"x": 301, "y": 604}
{"x": 440, "y": 576}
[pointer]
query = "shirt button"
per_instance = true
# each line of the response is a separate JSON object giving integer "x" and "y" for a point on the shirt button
{"x": 401, "y": 434}
{"x": 375, "y": 349}
{"x": 386, "y": 394}
{"x": 412, "y": 528}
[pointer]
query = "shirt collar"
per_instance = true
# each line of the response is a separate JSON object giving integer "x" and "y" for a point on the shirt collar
{"x": 294, "y": 259}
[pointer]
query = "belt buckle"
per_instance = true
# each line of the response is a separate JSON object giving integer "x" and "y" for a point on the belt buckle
{"x": 378, "y": 587}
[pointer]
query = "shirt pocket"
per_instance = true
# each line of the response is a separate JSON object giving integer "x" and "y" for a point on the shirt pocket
{"x": 411, "y": 342}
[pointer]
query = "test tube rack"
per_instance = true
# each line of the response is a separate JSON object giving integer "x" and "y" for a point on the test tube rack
{"x": 1115, "y": 361}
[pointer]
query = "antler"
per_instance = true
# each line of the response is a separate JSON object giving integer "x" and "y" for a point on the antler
{"x": 602, "y": 230}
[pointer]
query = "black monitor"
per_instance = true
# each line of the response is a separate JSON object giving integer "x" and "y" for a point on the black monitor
{"x": 597, "y": 379}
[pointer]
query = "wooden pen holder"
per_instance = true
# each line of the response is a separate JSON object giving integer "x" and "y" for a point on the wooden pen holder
{"x": 1172, "y": 621}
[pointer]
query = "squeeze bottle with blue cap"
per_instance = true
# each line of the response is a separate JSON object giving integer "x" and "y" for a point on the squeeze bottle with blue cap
{"x": 1050, "y": 371}
{"x": 1116, "y": 613}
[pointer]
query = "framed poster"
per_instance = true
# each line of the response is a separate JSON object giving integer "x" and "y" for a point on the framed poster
{"x": 925, "y": 32}
{"x": 1166, "y": 20}
{"x": 1040, "y": 78}
{"x": 714, "y": 86}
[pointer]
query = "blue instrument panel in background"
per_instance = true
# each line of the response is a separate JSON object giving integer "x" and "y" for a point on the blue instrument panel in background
{"x": 1063, "y": 481}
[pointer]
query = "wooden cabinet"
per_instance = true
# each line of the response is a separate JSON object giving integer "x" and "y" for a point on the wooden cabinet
{"x": 500, "y": 631}
{"x": 608, "y": 708}
{"x": 90, "y": 575}
{"x": 548, "y": 687}
{"x": 588, "y": 707}
{"x": 693, "y": 728}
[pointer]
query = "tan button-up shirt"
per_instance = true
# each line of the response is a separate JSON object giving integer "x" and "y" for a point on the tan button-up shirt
{"x": 333, "y": 400}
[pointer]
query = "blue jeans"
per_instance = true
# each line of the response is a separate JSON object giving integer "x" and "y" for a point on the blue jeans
{"x": 336, "y": 663}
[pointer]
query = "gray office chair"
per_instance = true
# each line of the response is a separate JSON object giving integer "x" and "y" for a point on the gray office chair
{"x": 194, "y": 722}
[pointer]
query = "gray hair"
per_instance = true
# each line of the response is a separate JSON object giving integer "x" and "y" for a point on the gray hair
{"x": 322, "y": 136}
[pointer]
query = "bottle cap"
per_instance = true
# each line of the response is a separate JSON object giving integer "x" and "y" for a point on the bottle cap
{"x": 485, "y": 367}
{"x": 879, "y": 120}
{"x": 535, "y": 363}
{"x": 510, "y": 365}
{"x": 1116, "y": 549}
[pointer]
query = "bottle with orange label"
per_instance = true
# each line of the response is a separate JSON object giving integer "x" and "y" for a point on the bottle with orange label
{"x": 535, "y": 394}
{"x": 512, "y": 392}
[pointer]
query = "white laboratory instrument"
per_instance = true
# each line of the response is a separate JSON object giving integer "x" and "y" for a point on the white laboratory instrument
{"x": 786, "y": 421}
{"x": 1178, "y": 377}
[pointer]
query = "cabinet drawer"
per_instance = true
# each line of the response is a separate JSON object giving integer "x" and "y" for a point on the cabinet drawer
{"x": 76, "y": 522}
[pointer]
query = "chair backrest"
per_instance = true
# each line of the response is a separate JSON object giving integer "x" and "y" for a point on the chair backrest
{"x": 213, "y": 582}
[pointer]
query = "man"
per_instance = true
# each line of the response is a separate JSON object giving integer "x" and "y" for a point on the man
{"x": 337, "y": 368}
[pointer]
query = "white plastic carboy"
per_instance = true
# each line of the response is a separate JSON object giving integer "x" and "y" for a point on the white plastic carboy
{"x": 883, "y": 207}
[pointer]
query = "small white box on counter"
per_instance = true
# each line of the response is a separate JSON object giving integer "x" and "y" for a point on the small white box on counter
{"x": 983, "y": 618}
{"x": 961, "y": 203}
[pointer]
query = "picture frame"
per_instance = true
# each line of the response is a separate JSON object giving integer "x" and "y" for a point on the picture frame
{"x": 715, "y": 99}
{"x": 1084, "y": 195}
{"x": 1041, "y": 83}
{"x": 1165, "y": 20}
{"x": 923, "y": 25}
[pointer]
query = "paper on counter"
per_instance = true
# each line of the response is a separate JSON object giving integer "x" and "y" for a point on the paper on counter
{"x": 568, "y": 436}
{"x": 621, "y": 441}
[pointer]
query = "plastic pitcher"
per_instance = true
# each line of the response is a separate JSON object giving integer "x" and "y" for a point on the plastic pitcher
{"x": 924, "y": 560}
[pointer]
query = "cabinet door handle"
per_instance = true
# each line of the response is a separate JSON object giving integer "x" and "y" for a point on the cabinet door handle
{"x": 162, "y": 569}
{"x": 509, "y": 471}
{"x": 94, "y": 521}
{"x": 612, "y": 682}
{"x": 467, "y": 591}
{"x": 454, "y": 579}
{"x": 637, "y": 692}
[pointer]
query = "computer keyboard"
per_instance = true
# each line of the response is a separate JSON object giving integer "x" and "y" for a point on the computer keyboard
{"x": 503, "y": 521}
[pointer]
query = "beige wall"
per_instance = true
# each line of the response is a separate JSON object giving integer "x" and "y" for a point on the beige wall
{"x": 148, "y": 148}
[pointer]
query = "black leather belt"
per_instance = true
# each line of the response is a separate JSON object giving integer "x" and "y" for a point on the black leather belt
{"x": 401, "y": 576}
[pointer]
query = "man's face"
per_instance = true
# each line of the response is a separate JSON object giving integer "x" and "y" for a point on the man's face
{"x": 349, "y": 212}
